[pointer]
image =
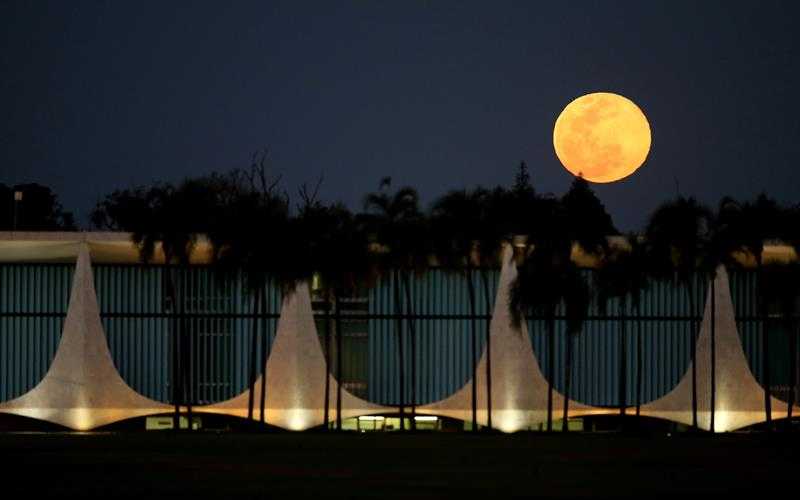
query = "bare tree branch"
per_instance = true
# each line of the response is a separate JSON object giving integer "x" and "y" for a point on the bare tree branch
{"x": 258, "y": 176}
{"x": 308, "y": 199}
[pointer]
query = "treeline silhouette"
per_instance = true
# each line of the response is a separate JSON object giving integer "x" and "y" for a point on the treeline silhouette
{"x": 253, "y": 226}
{"x": 32, "y": 207}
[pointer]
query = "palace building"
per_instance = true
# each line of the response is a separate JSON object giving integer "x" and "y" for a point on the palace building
{"x": 87, "y": 340}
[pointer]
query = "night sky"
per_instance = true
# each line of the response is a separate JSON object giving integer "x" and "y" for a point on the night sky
{"x": 440, "y": 95}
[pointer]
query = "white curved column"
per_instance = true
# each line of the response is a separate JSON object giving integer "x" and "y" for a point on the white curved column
{"x": 82, "y": 388}
{"x": 519, "y": 390}
{"x": 295, "y": 372}
{"x": 739, "y": 397}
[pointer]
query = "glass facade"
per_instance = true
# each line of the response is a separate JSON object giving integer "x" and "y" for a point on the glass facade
{"x": 778, "y": 327}
{"x": 215, "y": 312}
{"x": 33, "y": 305}
{"x": 441, "y": 332}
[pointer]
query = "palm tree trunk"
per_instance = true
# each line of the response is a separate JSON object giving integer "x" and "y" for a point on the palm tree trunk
{"x": 339, "y": 381}
{"x": 792, "y": 376}
{"x": 713, "y": 354}
{"x": 762, "y": 311}
{"x": 692, "y": 348}
{"x": 639, "y": 374}
{"x": 253, "y": 350}
{"x": 551, "y": 368}
{"x": 401, "y": 359}
{"x": 412, "y": 331}
{"x": 328, "y": 325}
{"x": 623, "y": 363}
{"x": 263, "y": 367}
{"x": 186, "y": 348}
{"x": 567, "y": 383}
{"x": 488, "y": 341}
{"x": 176, "y": 368}
{"x": 473, "y": 346}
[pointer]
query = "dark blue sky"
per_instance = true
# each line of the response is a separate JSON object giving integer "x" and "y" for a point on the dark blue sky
{"x": 439, "y": 95}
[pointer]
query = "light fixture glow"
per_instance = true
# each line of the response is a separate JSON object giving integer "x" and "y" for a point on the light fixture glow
{"x": 371, "y": 418}
{"x": 425, "y": 418}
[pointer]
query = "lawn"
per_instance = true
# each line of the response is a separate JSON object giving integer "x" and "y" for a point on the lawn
{"x": 231, "y": 465}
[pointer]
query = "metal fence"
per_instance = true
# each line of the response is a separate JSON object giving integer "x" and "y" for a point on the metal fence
{"x": 218, "y": 314}
{"x": 752, "y": 327}
{"x": 138, "y": 317}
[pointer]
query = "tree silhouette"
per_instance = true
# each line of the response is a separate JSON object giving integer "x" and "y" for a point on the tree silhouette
{"x": 539, "y": 286}
{"x": 586, "y": 217}
{"x": 547, "y": 278}
{"x": 395, "y": 220}
{"x": 790, "y": 228}
{"x": 522, "y": 181}
{"x": 781, "y": 287}
{"x": 171, "y": 219}
{"x": 38, "y": 210}
{"x": 678, "y": 237}
{"x": 247, "y": 231}
{"x": 458, "y": 217}
{"x": 622, "y": 274}
{"x": 337, "y": 252}
{"x": 745, "y": 227}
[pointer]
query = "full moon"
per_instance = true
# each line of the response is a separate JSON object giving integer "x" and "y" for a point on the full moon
{"x": 603, "y": 137}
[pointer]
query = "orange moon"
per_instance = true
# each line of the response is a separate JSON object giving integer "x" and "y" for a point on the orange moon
{"x": 604, "y": 137}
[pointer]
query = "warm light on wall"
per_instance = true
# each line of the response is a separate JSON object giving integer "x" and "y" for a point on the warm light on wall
{"x": 298, "y": 420}
{"x": 509, "y": 420}
{"x": 372, "y": 418}
{"x": 83, "y": 419}
{"x": 722, "y": 421}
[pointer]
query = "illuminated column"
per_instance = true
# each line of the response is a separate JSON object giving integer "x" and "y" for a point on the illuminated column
{"x": 739, "y": 397}
{"x": 82, "y": 389}
{"x": 295, "y": 374}
{"x": 519, "y": 390}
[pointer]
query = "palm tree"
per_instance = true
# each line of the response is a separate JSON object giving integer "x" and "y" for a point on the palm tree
{"x": 546, "y": 278}
{"x": 243, "y": 234}
{"x": 506, "y": 218}
{"x": 576, "y": 298}
{"x": 174, "y": 217}
{"x": 308, "y": 237}
{"x": 416, "y": 263}
{"x": 587, "y": 225}
{"x": 622, "y": 274}
{"x": 492, "y": 232}
{"x": 458, "y": 217}
{"x": 394, "y": 218}
{"x": 791, "y": 234}
{"x": 781, "y": 286}
{"x": 338, "y": 253}
{"x": 537, "y": 288}
{"x": 638, "y": 270}
{"x": 152, "y": 229}
{"x": 746, "y": 227}
{"x": 678, "y": 239}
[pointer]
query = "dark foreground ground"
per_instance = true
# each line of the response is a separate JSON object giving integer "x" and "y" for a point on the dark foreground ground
{"x": 207, "y": 465}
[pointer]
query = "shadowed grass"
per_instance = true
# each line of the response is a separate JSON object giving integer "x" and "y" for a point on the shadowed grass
{"x": 227, "y": 465}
